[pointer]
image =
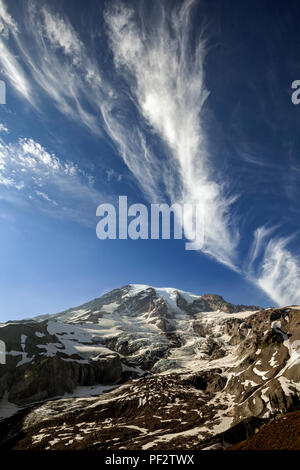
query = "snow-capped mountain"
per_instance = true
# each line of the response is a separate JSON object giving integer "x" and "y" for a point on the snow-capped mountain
{"x": 144, "y": 367}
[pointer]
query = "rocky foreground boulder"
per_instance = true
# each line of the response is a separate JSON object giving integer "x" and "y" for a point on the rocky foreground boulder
{"x": 148, "y": 368}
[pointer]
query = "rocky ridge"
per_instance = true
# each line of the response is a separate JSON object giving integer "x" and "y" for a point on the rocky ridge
{"x": 148, "y": 368}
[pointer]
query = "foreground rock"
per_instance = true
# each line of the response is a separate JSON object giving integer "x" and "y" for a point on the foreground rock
{"x": 282, "y": 433}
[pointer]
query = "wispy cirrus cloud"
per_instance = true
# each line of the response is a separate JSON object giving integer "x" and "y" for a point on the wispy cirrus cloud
{"x": 71, "y": 79}
{"x": 31, "y": 174}
{"x": 163, "y": 93}
{"x": 3, "y": 128}
{"x": 61, "y": 34}
{"x": 79, "y": 89}
{"x": 6, "y": 21}
{"x": 274, "y": 268}
{"x": 112, "y": 174}
{"x": 167, "y": 82}
{"x": 10, "y": 65}
{"x": 14, "y": 72}
{"x": 260, "y": 235}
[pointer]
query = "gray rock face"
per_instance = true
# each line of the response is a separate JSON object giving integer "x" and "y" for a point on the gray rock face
{"x": 197, "y": 366}
{"x": 53, "y": 377}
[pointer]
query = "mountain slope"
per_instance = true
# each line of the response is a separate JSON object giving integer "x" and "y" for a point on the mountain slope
{"x": 174, "y": 370}
{"x": 280, "y": 434}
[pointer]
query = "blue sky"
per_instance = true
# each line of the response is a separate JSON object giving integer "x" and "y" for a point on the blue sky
{"x": 163, "y": 101}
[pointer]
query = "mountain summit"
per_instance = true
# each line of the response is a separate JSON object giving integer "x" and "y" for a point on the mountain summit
{"x": 146, "y": 367}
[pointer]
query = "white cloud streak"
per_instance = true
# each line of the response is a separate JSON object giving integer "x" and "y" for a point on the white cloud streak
{"x": 28, "y": 172}
{"x": 6, "y": 21}
{"x": 14, "y": 72}
{"x": 11, "y": 68}
{"x": 165, "y": 83}
{"x": 260, "y": 235}
{"x": 62, "y": 35}
{"x": 166, "y": 79}
{"x": 69, "y": 80}
{"x": 3, "y": 128}
{"x": 273, "y": 267}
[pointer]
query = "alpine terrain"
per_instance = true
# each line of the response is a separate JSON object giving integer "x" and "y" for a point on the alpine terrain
{"x": 151, "y": 368}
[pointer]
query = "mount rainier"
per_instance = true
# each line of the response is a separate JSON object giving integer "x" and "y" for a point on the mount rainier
{"x": 148, "y": 368}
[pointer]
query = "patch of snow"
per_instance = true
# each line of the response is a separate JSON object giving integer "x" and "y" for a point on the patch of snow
{"x": 137, "y": 428}
{"x": 51, "y": 349}
{"x": 136, "y": 289}
{"x": 189, "y": 298}
{"x": 39, "y": 334}
{"x": 25, "y": 359}
{"x": 260, "y": 373}
{"x": 169, "y": 437}
{"x": 110, "y": 308}
{"x": 7, "y": 409}
{"x": 23, "y": 342}
{"x": 90, "y": 391}
{"x": 38, "y": 438}
{"x": 288, "y": 386}
{"x": 266, "y": 399}
{"x": 249, "y": 383}
{"x": 294, "y": 352}
{"x": 170, "y": 297}
{"x": 226, "y": 422}
{"x": 276, "y": 325}
{"x": 272, "y": 361}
